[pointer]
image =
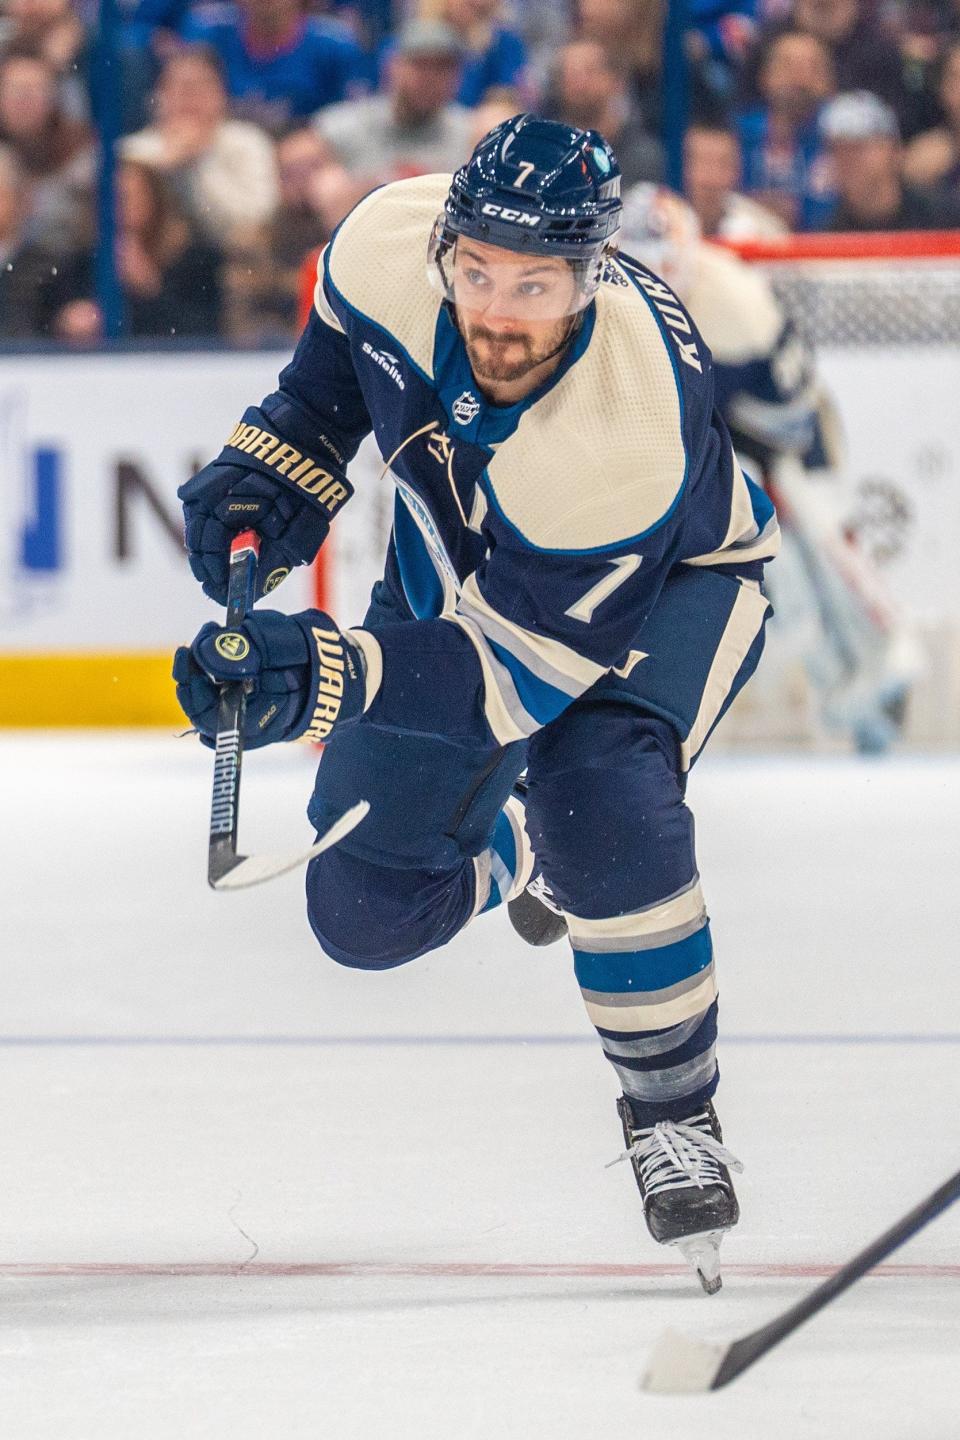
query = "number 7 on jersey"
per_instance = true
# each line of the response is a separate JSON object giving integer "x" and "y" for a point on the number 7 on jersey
{"x": 623, "y": 567}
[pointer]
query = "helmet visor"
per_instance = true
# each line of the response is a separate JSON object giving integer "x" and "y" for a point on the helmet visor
{"x": 508, "y": 284}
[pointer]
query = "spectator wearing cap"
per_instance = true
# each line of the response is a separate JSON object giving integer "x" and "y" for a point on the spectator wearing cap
{"x": 933, "y": 158}
{"x": 26, "y": 265}
{"x": 415, "y": 127}
{"x": 223, "y": 171}
{"x": 590, "y": 91}
{"x": 864, "y": 140}
{"x": 712, "y": 166}
{"x": 280, "y": 64}
{"x": 493, "y": 54}
{"x": 785, "y": 166}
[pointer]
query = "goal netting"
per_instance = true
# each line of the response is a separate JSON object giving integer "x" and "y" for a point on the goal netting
{"x": 881, "y": 314}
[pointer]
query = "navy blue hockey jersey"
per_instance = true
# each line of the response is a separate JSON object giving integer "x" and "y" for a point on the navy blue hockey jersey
{"x": 529, "y": 541}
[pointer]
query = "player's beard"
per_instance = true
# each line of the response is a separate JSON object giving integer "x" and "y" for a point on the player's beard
{"x": 509, "y": 356}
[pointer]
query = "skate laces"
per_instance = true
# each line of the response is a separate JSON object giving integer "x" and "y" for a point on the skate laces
{"x": 678, "y": 1154}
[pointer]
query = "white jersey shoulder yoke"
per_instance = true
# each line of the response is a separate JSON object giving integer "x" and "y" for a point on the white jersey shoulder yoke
{"x": 378, "y": 262}
{"x": 595, "y": 462}
{"x": 600, "y": 459}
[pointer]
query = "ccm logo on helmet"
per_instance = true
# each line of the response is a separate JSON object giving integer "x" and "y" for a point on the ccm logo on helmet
{"x": 519, "y": 217}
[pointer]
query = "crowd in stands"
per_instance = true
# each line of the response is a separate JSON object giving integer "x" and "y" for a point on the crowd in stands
{"x": 250, "y": 128}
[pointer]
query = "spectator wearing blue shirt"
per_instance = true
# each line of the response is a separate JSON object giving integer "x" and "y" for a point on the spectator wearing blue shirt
{"x": 786, "y": 166}
{"x": 280, "y": 64}
{"x": 864, "y": 136}
{"x": 370, "y": 21}
{"x": 720, "y": 37}
{"x": 493, "y": 56}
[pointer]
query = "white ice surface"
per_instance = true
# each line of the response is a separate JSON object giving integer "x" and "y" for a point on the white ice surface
{"x": 245, "y": 1193}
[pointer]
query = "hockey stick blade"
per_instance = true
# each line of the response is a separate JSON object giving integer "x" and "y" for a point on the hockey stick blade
{"x": 679, "y": 1365}
{"x": 236, "y": 872}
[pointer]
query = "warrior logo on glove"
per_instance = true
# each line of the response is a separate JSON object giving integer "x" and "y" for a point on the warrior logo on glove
{"x": 274, "y": 578}
{"x": 232, "y": 646}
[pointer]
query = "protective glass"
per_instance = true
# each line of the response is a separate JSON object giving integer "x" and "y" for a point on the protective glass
{"x": 506, "y": 284}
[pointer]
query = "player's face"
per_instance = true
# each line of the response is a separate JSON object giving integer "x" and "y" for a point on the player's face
{"x": 513, "y": 310}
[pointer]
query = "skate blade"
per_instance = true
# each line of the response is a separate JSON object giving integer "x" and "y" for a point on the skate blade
{"x": 703, "y": 1253}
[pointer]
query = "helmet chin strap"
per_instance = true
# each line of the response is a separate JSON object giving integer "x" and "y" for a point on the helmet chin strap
{"x": 576, "y": 320}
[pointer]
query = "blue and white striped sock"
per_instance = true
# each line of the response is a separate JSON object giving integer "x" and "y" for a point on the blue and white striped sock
{"x": 649, "y": 986}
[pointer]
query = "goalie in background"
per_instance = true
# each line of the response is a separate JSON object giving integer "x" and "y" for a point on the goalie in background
{"x": 832, "y": 607}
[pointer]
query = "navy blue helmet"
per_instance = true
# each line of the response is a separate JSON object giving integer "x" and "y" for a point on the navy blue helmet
{"x": 539, "y": 187}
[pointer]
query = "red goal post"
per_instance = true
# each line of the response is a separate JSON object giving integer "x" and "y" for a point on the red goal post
{"x": 853, "y": 245}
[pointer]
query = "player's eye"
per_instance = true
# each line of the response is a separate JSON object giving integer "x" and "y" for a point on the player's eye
{"x": 529, "y": 289}
{"x": 476, "y": 277}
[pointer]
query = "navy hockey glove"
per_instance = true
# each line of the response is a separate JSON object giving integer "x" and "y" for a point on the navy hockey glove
{"x": 304, "y": 676}
{"x": 260, "y": 481}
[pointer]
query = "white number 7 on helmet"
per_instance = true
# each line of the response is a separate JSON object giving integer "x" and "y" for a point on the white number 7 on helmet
{"x": 525, "y": 167}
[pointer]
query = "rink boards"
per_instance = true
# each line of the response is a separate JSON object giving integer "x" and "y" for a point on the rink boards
{"x": 95, "y": 592}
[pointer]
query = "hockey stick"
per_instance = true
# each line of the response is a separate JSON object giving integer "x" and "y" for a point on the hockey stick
{"x": 681, "y": 1365}
{"x": 226, "y": 869}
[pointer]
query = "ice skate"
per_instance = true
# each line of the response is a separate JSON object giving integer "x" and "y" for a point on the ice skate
{"x": 683, "y": 1173}
{"x": 536, "y": 916}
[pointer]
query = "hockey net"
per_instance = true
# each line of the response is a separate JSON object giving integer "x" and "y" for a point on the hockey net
{"x": 881, "y": 314}
{"x": 866, "y": 290}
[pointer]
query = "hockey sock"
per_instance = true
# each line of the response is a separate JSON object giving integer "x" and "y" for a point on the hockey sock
{"x": 648, "y": 983}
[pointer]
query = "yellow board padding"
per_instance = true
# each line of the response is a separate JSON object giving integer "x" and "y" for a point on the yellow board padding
{"x": 80, "y": 688}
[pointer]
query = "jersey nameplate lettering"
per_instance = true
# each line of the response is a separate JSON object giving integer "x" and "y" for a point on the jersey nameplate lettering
{"x": 667, "y": 305}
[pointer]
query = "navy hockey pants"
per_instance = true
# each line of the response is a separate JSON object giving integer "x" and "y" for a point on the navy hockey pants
{"x": 446, "y": 839}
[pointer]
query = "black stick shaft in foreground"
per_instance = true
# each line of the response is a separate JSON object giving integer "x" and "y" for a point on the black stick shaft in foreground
{"x": 225, "y": 806}
{"x": 745, "y": 1352}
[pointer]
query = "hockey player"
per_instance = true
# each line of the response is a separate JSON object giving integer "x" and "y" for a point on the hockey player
{"x": 572, "y": 588}
{"x": 859, "y": 653}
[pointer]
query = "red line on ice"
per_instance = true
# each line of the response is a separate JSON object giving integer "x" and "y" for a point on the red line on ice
{"x": 420, "y": 1269}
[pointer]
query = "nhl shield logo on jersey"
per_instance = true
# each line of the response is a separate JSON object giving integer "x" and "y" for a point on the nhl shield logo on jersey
{"x": 232, "y": 646}
{"x": 465, "y": 408}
